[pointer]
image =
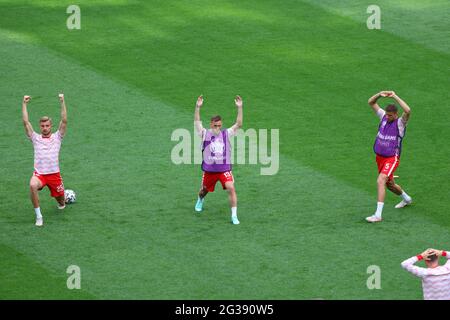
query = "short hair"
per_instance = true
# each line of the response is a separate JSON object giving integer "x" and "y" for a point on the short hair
{"x": 216, "y": 118}
{"x": 391, "y": 108}
{"x": 432, "y": 258}
{"x": 45, "y": 119}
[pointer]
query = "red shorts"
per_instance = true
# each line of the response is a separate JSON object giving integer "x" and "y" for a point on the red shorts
{"x": 53, "y": 181}
{"x": 209, "y": 179}
{"x": 388, "y": 165}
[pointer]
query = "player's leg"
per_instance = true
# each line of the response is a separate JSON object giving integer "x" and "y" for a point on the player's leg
{"x": 61, "y": 202}
{"x": 201, "y": 198}
{"x": 203, "y": 192}
{"x": 227, "y": 180}
{"x": 395, "y": 188}
{"x": 389, "y": 169}
{"x": 386, "y": 169}
{"x": 36, "y": 185}
{"x": 208, "y": 184}
{"x": 381, "y": 183}
{"x": 56, "y": 186}
{"x": 232, "y": 197}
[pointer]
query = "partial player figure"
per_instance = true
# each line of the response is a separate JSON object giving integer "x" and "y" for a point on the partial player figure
{"x": 388, "y": 147}
{"x": 46, "y": 157}
{"x": 435, "y": 277}
{"x": 216, "y": 152}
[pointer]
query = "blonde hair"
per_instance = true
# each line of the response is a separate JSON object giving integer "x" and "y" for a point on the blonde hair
{"x": 45, "y": 119}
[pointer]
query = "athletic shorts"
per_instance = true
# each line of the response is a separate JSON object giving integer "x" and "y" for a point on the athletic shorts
{"x": 53, "y": 181}
{"x": 388, "y": 165}
{"x": 210, "y": 179}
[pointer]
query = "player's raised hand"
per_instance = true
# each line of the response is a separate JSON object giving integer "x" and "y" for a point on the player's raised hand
{"x": 387, "y": 93}
{"x": 427, "y": 253}
{"x": 26, "y": 99}
{"x": 238, "y": 101}
{"x": 199, "y": 102}
{"x": 437, "y": 252}
{"x": 390, "y": 93}
{"x": 61, "y": 97}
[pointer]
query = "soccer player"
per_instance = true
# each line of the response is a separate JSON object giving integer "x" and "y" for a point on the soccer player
{"x": 435, "y": 278}
{"x": 216, "y": 149}
{"x": 388, "y": 146}
{"x": 46, "y": 157}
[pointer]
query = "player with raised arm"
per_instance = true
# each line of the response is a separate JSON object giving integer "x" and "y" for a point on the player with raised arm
{"x": 216, "y": 150}
{"x": 46, "y": 157}
{"x": 435, "y": 278}
{"x": 388, "y": 147}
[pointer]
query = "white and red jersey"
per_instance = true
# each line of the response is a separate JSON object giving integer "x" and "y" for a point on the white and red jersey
{"x": 46, "y": 152}
{"x": 435, "y": 281}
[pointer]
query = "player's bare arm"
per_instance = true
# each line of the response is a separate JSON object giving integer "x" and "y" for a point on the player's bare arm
{"x": 403, "y": 105}
{"x": 63, "y": 122}
{"x": 198, "y": 105}
{"x": 26, "y": 122}
{"x": 373, "y": 100}
{"x": 197, "y": 121}
{"x": 239, "y": 119}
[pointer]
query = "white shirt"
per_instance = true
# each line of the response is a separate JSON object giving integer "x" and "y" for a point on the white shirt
{"x": 435, "y": 281}
{"x": 46, "y": 152}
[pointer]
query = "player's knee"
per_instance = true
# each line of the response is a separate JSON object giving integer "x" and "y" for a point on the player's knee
{"x": 382, "y": 180}
{"x": 34, "y": 186}
{"x": 230, "y": 188}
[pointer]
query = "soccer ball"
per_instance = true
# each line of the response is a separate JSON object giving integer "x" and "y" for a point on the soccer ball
{"x": 69, "y": 196}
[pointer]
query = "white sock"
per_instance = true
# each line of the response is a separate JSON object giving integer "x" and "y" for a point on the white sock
{"x": 405, "y": 197}
{"x": 379, "y": 209}
{"x": 38, "y": 213}
{"x": 234, "y": 211}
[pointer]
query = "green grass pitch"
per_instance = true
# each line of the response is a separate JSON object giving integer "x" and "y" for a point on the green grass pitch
{"x": 131, "y": 76}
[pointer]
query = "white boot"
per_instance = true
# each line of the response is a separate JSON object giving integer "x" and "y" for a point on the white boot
{"x": 403, "y": 203}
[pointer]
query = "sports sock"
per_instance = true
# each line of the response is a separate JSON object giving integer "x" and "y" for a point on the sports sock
{"x": 379, "y": 209}
{"x": 234, "y": 211}
{"x": 38, "y": 213}
{"x": 405, "y": 196}
{"x": 201, "y": 199}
